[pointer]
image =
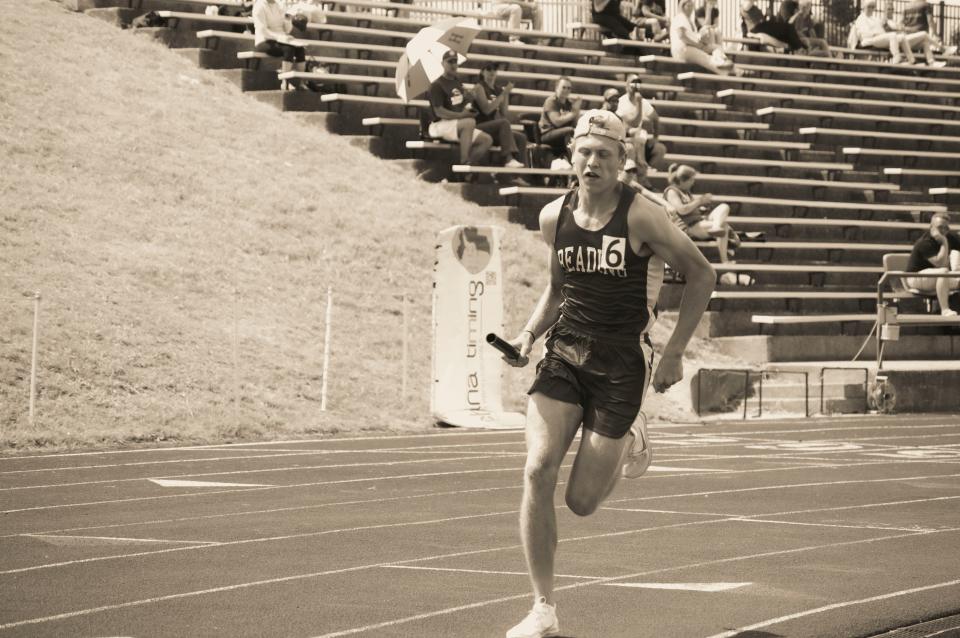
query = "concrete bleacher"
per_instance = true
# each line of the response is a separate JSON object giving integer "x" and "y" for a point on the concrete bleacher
{"x": 838, "y": 161}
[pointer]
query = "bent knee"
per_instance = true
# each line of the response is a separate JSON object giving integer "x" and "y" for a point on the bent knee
{"x": 539, "y": 472}
{"x": 581, "y": 505}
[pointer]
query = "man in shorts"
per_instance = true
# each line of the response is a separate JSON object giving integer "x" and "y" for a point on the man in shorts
{"x": 644, "y": 148}
{"x": 453, "y": 118}
{"x": 608, "y": 248}
{"x": 937, "y": 251}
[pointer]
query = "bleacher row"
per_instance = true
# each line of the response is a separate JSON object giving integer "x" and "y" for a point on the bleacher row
{"x": 840, "y": 161}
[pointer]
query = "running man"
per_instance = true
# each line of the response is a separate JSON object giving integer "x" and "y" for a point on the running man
{"x": 607, "y": 254}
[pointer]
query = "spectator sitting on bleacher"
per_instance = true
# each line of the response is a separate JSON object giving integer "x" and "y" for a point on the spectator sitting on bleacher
{"x": 651, "y": 15}
{"x": 916, "y": 18}
{"x": 686, "y": 44}
{"x": 514, "y": 12}
{"x": 692, "y": 213}
{"x": 557, "y": 121}
{"x": 707, "y": 22}
{"x": 493, "y": 113}
{"x": 270, "y": 30}
{"x": 807, "y": 27}
{"x": 937, "y": 251}
{"x": 914, "y": 31}
{"x": 644, "y": 148}
{"x": 453, "y": 117}
{"x": 869, "y": 31}
{"x": 772, "y": 32}
{"x": 607, "y": 14}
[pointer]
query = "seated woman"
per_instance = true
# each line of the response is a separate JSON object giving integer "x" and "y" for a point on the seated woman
{"x": 692, "y": 213}
{"x": 869, "y": 31}
{"x": 776, "y": 33}
{"x": 686, "y": 43}
{"x": 493, "y": 115}
{"x": 270, "y": 30}
{"x": 800, "y": 15}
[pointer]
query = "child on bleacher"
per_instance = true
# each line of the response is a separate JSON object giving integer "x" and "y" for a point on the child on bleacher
{"x": 694, "y": 216}
{"x": 270, "y": 32}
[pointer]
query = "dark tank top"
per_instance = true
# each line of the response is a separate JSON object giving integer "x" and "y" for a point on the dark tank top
{"x": 609, "y": 292}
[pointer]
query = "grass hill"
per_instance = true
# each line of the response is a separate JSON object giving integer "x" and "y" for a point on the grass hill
{"x": 183, "y": 237}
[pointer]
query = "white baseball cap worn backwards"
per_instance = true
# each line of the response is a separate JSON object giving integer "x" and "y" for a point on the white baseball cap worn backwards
{"x": 603, "y": 123}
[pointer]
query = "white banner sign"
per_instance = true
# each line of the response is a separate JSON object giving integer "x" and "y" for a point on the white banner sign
{"x": 467, "y": 305}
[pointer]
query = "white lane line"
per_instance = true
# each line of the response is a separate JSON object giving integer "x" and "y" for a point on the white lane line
{"x": 603, "y": 581}
{"x": 884, "y": 528}
{"x": 241, "y": 446}
{"x": 435, "y": 474}
{"x": 275, "y": 510}
{"x": 118, "y": 539}
{"x": 702, "y": 587}
{"x": 311, "y": 575}
{"x": 426, "y": 449}
{"x": 294, "y": 468}
{"x": 181, "y": 483}
{"x": 481, "y": 571}
{"x": 820, "y": 610}
{"x": 260, "y": 489}
{"x": 251, "y": 541}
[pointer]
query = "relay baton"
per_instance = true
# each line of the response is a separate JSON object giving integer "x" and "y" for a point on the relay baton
{"x": 508, "y": 351}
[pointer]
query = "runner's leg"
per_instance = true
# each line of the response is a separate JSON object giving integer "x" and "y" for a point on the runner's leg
{"x": 551, "y": 426}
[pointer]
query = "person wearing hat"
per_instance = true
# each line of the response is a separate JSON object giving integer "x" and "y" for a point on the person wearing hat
{"x": 607, "y": 251}
{"x": 270, "y": 36}
{"x": 644, "y": 148}
{"x": 452, "y": 117}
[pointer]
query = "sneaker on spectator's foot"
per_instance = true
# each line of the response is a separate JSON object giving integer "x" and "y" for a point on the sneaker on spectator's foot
{"x": 540, "y": 622}
{"x": 937, "y": 64}
{"x": 640, "y": 454}
{"x": 951, "y": 50}
{"x": 515, "y": 41}
{"x": 512, "y": 163}
{"x": 947, "y": 312}
{"x": 897, "y": 59}
{"x": 560, "y": 164}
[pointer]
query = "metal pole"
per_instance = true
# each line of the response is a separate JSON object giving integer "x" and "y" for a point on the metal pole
{"x": 405, "y": 346}
{"x": 33, "y": 356}
{"x": 326, "y": 350}
{"x": 236, "y": 359}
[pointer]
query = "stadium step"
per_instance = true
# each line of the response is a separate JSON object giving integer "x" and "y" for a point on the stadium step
{"x": 247, "y": 80}
{"x": 117, "y": 16}
{"x": 203, "y": 57}
{"x": 763, "y": 349}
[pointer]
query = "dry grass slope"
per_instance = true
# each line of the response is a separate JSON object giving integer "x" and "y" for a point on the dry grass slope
{"x": 183, "y": 237}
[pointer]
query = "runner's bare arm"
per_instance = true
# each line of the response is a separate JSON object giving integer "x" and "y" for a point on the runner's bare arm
{"x": 649, "y": 224}
{"x": 547, "y": 310}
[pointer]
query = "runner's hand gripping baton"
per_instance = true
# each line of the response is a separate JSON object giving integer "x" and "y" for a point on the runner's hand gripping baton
{"x": 500, "y": 344}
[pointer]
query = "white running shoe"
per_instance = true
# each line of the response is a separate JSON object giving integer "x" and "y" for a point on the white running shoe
{"x": 947, "y": 312}
{"x": 560, "y": 164}
{"x": 640, "y": 454}
{"x": 513, "y": 163}
{"x": 540, "y": 622}
{"x": 937, "y": 64}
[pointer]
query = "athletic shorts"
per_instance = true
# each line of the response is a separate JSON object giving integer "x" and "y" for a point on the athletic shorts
{"x": 447, "y": 130}
{"x": 607, "y": 380}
